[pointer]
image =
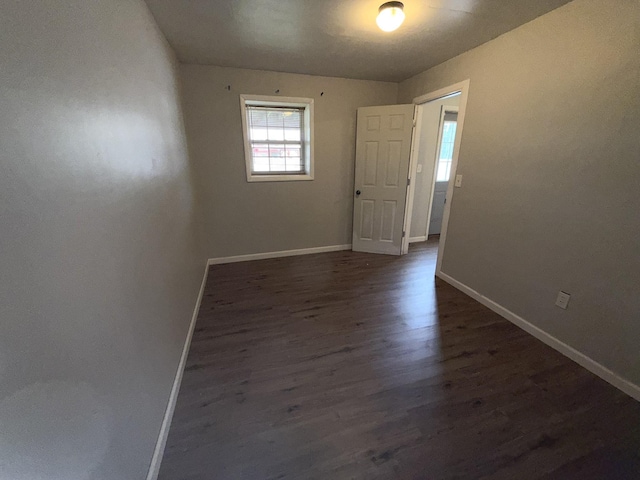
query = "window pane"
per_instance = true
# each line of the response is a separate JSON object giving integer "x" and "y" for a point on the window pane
{"x": 293, "y": 151}
{"x": 277, "y": 165}
{"x": 260, "y": 150}
{"x": 269, "y": 129}
{"x": 275, "y": 119}
{"x": 276, "y": 150}
{"x": 446, "y": 151}
{"x": 449, "y": 132}
{"x": 292, "y": 135}
{"x": 276, "y": 134}
{"x": 257, "y": 117}
{"x": 261, "y": 165}
{"x": 292, "y": 118}
{"x": 294, "y": 158}
{"x": 258, "y": 133}
{"x": 293, "y": 165}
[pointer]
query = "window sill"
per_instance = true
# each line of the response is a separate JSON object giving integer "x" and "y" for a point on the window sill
{"x": 279, "y": 178}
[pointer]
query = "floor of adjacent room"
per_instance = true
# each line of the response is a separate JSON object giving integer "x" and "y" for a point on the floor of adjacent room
{"x": 350, "y": 365}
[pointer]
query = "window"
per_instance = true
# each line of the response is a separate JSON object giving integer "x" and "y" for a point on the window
{"x": 278, "y": 138}
{"x": 445, "y": 156}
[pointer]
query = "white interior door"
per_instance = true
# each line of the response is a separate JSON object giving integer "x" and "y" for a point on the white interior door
{"x": 437, "y": 209}
{"x": 383, "y": 148}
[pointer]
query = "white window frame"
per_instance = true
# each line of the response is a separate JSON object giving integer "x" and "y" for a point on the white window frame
{"x": 270, "y": 101}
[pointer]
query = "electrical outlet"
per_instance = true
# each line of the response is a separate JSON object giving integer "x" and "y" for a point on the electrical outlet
{"x": 419, "y": 168}
{"x": 563, "y": 300}
{"x": 458, "y": 182}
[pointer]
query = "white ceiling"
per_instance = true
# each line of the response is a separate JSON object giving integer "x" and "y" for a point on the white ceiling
{"x": 335, "y": 38}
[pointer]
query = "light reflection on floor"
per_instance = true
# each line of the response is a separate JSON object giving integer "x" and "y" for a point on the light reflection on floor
{"x": 416, "y": 329}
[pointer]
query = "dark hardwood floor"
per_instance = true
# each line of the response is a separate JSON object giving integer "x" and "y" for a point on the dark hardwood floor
{"x": 356, "y": 366}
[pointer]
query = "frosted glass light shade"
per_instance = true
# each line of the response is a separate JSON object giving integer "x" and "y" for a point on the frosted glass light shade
{"x": 390, "y": 16}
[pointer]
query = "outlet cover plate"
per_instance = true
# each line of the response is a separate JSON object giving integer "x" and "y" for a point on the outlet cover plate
{"x": 563, "y": 300}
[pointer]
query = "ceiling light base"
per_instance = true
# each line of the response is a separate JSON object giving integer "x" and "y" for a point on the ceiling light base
{"x": 390, "y": 16}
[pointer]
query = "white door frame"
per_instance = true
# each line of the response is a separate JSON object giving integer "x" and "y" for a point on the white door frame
{"x": 443, "y": 112}
{"x": 463, "y": 89}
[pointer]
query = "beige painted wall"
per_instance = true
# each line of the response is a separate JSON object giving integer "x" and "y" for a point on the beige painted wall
{"x": 428, "y": 147}
{"x": 98, "y": 254}
{"x": 550, "y": 157}
{"x": 244, "y": 218}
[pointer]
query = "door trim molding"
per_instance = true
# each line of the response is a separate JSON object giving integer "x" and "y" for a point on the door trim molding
{"x": 422, "y": 238}
{"x": 463, "y": 88}
{"x": 278, "y": 254}
{"x": 580, "y": 358}
{"x": 156, "y": 460}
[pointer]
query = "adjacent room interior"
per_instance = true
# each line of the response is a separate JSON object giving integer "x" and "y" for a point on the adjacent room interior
{"x": 284, "y": 239}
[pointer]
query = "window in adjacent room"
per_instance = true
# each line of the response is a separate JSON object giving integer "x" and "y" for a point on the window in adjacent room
{"x": 278, "y": 138}
{"x": 445, "y": 157}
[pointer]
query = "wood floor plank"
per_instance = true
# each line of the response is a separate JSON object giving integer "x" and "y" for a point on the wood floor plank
{"x": 350, "y": 365}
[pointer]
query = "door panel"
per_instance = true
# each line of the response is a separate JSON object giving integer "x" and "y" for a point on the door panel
{"x": 383, "y": 146}
{"x": 366, "y": 219}
{"x": 437, "y": 208}
{"x": 371, "y": 164}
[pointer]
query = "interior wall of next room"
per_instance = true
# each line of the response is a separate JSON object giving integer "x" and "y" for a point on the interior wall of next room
{"x": 428, "y": 146}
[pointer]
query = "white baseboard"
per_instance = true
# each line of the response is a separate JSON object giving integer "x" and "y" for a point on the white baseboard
{"x": 581, "y": 359}
{"x": 154, "y": 468}
{"x": 423, "y": 238}
{"x": 282, "y": 253}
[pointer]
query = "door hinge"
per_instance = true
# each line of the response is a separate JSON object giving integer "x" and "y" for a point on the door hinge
{"x": 408, "y": 182}
{"x": 403, "y": 234}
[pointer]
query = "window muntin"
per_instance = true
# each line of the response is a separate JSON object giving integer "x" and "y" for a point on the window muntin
{"x": 278, "y": 135}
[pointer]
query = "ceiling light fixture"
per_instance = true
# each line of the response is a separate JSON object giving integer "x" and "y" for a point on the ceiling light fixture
{"x": 390, "y": 16}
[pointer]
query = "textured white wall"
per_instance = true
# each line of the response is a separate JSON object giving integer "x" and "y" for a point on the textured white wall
{"x": 99, "y": 260}
{"x": 549, "y": 156}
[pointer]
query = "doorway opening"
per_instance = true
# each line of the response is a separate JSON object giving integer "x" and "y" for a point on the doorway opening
{"x": 438, "y": 122}
{"x": 439, "y": 119}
